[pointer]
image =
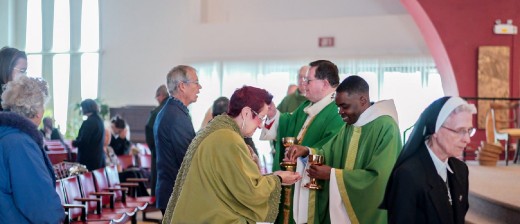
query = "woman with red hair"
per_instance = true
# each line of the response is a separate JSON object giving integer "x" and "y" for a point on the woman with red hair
{"x": 218, "y": 181}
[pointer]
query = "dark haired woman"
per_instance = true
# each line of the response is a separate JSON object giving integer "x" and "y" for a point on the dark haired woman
{"x": 90, "y": 137}
{"x": 13, "y": 63}
{"x": 119, "y": 141}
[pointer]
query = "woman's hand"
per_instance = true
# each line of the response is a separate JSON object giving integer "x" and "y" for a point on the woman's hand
{"x": 288, "y": 177}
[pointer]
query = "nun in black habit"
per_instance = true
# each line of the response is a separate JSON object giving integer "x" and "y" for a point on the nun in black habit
{"x": 428, "y": 183}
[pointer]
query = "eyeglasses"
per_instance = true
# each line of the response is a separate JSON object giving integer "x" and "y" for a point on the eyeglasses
{"x": 23, "y": 71}
{"x": 462, "y": 132}
{"x": 261, "y": 119}
{"x": 194, "y": 82}
{"x": 309, "y": 80}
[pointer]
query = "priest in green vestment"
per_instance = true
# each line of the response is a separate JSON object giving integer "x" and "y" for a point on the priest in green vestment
{"x": 218, "y": 181}
{"x": 357, "y": 161}
{"x": 313, "y": 123}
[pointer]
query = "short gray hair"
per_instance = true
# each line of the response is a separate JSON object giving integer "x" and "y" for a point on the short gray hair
{"x": 465, "y": 108}
{"x": 470, "y": 108}
{"x": 25, "y": 96}
{"x": 177, "y": 75}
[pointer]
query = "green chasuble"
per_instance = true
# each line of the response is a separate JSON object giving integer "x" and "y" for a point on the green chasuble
{"x": 291, "y": 102}
{"x": 220, "y": 183}
{"x": 320, "y": 130}
{"x": 363, "y": 157}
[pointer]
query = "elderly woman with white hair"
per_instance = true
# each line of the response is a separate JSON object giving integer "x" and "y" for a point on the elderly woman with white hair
{"x": 429, "y": 184}
{"x": 27, "y": 183}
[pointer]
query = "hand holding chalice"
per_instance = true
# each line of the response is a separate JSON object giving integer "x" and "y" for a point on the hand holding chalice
{"x": 314, "y": 160}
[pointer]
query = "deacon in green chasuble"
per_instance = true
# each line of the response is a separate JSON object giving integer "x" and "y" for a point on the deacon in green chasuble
{"x": 218, "y": 181}
{"x": 357, "y": 161}
{"x": 313, "y": 123}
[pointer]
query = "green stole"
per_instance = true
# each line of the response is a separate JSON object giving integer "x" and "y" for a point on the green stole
{"x": 321, "y": 129}
{"x": 362, "y": 170}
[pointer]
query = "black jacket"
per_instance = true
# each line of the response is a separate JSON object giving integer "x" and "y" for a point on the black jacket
{"x": 419, "y": 195}
{"x": 90, "y": 143}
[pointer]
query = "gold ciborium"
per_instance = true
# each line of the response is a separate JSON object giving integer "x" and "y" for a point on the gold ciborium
{"x": 288, "y": 142}
{"x": 314, "y": 160}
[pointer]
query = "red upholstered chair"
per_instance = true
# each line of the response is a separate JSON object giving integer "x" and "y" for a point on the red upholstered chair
{"x": 68, "y": 207}
{"x": 75, "y": 196}
{"x": 126, "y": 161}
{"x": 52, "y": 142}
{"x": 102, "y": 184}
{"x": 113, "y": 180}
{"x": 60, "y": 192}
{"x": 88, "y": 190}
{"x": 57, "y": 156}
{"x": 56, "y": 148}
{"x": 71, "y": 188}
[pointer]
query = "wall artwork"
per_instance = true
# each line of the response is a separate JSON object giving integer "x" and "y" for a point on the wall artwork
{"x": 493, "y": 78}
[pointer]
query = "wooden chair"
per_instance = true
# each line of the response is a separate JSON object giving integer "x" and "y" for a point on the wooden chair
{"x": 493, "y": 120}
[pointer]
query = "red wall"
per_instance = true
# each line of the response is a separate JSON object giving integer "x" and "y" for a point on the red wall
{"x": 453, "y": 31}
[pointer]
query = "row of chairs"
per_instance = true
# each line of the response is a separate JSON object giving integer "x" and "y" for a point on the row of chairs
{"x": 99, "y": 197}
{"x": 57, "y": 151}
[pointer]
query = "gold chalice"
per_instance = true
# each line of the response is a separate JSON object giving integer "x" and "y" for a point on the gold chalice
{"x": 314, "y": 160}
{"x": 289, "y": 166}
{"x": 288, "y": 142}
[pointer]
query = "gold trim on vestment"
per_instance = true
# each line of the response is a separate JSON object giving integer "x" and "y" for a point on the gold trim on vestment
{"x": 349, "y": 165}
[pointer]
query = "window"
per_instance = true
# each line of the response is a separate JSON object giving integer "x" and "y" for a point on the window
{"x": 70, "y": 60}
{"x": 33, "y": 31}
{"x": 60, "y": 83}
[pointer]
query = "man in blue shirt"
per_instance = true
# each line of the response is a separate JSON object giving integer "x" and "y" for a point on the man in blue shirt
{"x": 173, "y": 129}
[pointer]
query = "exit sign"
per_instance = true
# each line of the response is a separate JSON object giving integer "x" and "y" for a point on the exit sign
{"x": 326, "y": 42}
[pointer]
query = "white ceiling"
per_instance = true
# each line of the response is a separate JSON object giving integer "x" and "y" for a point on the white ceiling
{"x": 268, "y": 10}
